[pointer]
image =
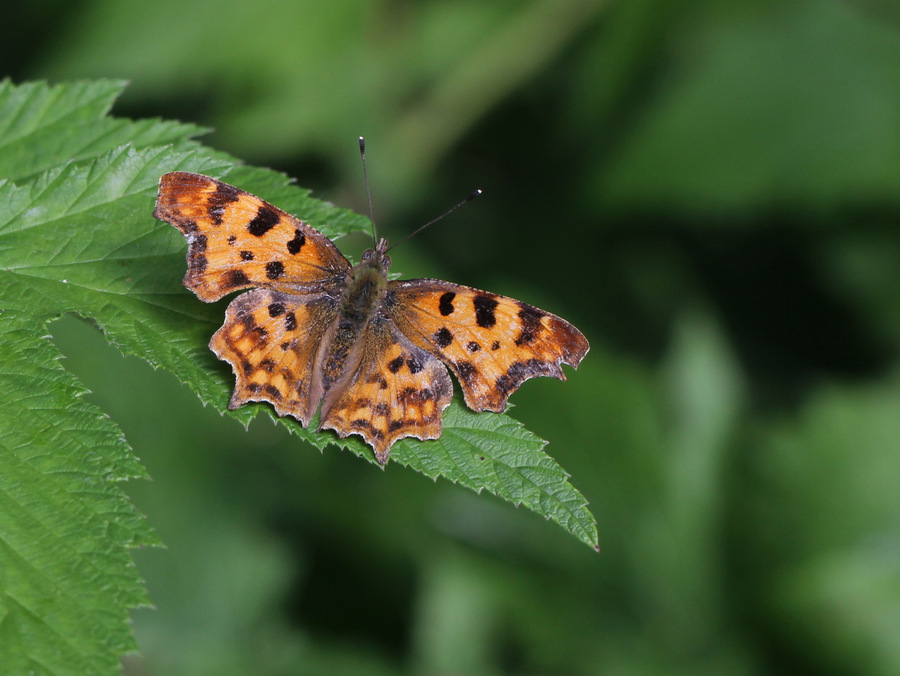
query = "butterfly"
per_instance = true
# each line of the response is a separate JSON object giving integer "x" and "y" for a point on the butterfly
{"x": 316, "y": 333}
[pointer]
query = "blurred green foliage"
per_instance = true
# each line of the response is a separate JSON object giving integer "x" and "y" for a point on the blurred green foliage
{"x": 708, "y": 189}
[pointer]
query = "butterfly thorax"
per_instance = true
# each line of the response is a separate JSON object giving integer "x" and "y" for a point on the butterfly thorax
{"x": 365, "y": 286}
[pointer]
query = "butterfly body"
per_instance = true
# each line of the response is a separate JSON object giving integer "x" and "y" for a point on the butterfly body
{"x": 318, "y": 334}
{"x": 362, "y": 293}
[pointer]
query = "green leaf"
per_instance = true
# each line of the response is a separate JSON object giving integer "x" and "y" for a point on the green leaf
{"x": 43, "y": 126}
{"x": 493, "y": 452}
{"x": 66, "y": 579}
{"x": 77, "y": 236}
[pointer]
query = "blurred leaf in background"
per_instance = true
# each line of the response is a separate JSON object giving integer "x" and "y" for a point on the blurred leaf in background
{"x": 708, "y": 189}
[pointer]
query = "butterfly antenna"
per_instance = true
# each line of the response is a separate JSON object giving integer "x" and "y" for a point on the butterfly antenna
{"x": 444, "y": 215}
{"x": 362, "y": 155}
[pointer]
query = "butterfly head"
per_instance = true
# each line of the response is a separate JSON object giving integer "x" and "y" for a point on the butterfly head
{"x": 377, "y": 257}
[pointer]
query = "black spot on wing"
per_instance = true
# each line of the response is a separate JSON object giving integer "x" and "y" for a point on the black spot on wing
{"x": 246, "y": 255}
{"x": 290, "y": 321}
{"x": 274, "y": 270}
{"x": 297, "y": 243}
{"x": 445, "y": 305}
{"x": 276, "y": 309}
{"x": 220, "y": 198}
{"x": 235, "y": 278}
{"x": 265, "y": 220}
{"x": 443, "y": 337}
{"x": 395, "y": 364}
{"x": 484, "y": 311}
{"x": 472, "y": 346}
{"x": 216, "y": 214}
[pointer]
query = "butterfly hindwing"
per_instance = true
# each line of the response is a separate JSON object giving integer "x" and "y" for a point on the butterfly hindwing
{"x": 391, "y": 389}
{"x": 491, "y": 343}
{"x": 272, "y": 341}
{"x": 237, "y": 240}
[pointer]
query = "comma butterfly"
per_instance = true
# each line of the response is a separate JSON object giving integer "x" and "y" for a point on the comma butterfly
{"x": 317, "y": 333}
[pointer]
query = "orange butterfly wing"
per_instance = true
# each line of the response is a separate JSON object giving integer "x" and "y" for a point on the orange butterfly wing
{"x": 390, "y": 389}
{"x": 272, "y": 341}
{"x": 237, "y": 240}
{"x": 491, "y": 343}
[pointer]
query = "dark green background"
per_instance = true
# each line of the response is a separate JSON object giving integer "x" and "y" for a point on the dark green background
{"x": 709, "y": 190}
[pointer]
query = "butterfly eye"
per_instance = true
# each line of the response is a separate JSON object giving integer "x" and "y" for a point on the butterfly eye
{"x": 386, "y": 261}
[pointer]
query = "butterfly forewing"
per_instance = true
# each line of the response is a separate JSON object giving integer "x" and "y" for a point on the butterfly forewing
{"x": 237, "y": 240}
{"x": 492, "y": 343}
